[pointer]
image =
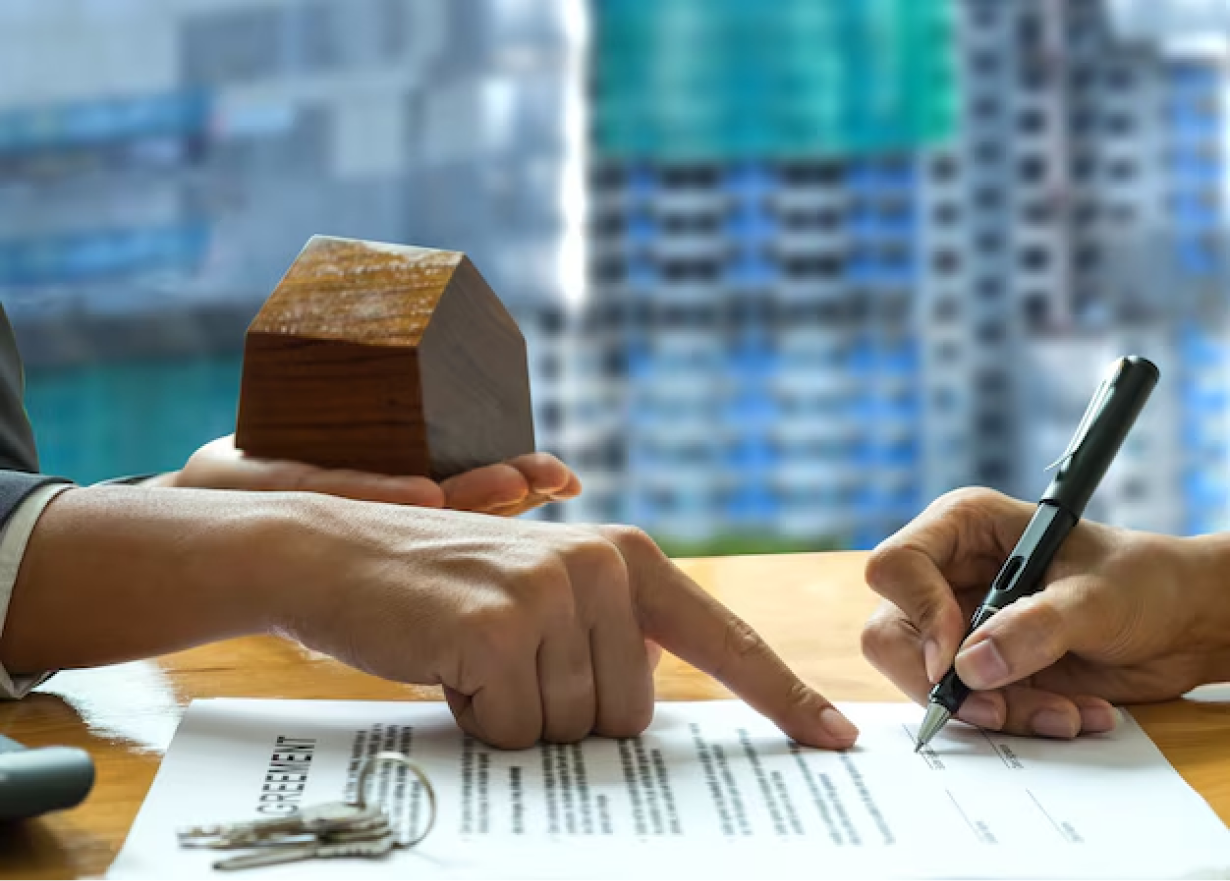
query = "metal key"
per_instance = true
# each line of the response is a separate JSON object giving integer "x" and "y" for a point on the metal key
{"x": 370, "y": 848}
{"x": 360, "y": 832}
{"x": 331, "y": 830}
{"x": 313, "y": 820}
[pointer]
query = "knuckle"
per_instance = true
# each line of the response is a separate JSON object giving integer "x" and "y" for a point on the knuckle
{"x": 605, "y": 568}
{"x": 631, "y": 723}
{"x": 629, "y": 539}
{"x": 529, "y": 566}
{"x": 876, "y": 640}
{"x": 570, "y": 732}
{"x": 1032, "y": 635}
{"x": 881, "y": 562}
{"x": 740, "y": 644}
{"x": 887, "y": 572}
{"x": 801, "y": 695}
{"x": 597, "y": 552}
{"x": 926, "y": 616}
{"x": 539, "y": 585}
{"x": 498, "y": 633}
{"x": 554, "y": 605}
{"x": 967, "y": 500}
{"x": 540, "y": 460}
{"x": 1043, "y": 625}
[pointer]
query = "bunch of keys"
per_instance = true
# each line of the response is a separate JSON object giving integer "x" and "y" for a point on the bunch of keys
{"x": 334, "y": 829}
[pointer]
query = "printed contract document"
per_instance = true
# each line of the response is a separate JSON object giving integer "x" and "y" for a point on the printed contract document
{"x": 712, "y": 790}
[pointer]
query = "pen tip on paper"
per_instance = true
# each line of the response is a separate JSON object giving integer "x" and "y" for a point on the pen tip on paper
{"x": 934, "y": 720}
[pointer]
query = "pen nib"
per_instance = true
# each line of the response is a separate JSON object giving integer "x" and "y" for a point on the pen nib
{"x": 934, "y": 720}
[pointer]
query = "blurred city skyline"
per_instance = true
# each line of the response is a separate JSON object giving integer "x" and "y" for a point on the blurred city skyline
{"x": 787, "y": 272}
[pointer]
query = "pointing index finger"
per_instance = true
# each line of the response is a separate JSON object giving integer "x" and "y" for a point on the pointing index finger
{"x": 680, "y": 616}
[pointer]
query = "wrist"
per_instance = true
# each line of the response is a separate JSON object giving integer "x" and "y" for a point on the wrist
{"x": 1204, "y": 569}
{"x": 307, "y": 556}
{"x": 113, "y": 573}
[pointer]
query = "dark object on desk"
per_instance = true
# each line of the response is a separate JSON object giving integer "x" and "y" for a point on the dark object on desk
{"x": 384, "y": 358}
{"x": 36, "y": 781}
{"x": 1109, "y": 417}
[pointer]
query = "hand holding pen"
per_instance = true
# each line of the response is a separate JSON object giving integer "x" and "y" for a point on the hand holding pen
{"x": 1124, "y": 617}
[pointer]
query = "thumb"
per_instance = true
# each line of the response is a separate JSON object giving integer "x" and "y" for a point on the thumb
{"x": 1026, "y": 637}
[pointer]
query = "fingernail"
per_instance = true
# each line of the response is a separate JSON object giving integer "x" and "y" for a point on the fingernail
{"x": 982, "y": 711}
{"x": 982, "y": 666}
{"x": 1055, "y": 723}
{"x": 1097, "y": 720}
{"x": 931, "y": 658}
{"x": 838, "y": 726}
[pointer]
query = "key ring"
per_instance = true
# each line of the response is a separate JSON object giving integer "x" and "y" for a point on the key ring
{"x": 369, "y": 767}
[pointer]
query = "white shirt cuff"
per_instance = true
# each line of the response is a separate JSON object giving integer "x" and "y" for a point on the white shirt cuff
{"x": 13, "y": 540}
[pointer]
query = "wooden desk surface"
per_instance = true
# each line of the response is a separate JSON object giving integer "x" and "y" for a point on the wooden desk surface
{"x": 810, "y": 607}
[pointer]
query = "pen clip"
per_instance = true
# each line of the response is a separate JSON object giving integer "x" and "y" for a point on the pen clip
{"x": 1100, "y": 397}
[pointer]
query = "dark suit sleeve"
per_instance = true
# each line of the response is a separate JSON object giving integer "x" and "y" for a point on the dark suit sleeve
{"x": 18, "y": 456}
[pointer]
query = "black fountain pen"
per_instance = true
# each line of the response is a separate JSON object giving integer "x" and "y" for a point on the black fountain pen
{"x": 1110, "y": 415}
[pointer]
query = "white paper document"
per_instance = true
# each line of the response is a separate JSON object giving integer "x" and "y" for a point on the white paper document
{"x": 712, "y": 790}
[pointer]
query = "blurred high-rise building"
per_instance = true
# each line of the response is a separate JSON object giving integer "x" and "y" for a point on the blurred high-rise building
{"x": 1137, "y": 195}
{"x": 864, "y": 253}
{"x": 755, "y": 260}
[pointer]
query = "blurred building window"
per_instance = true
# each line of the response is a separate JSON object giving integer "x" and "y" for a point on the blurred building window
{"x": 608, "y": 223}
{"x": 1122, "y": 170}
{"x": 1031, "y": 121}
{"x": 989, "y": 242}
{"x": 991, "y": 383}
{"x": 944, "y": 168}
{"x": 992, "y": 426}
{"x": 238, "y": 45}
{"x": 610, "y": 269}
{"x": 946, "y": 308}
{"x": 991, "y": 333}
{"x": 1037, "y": 309}
{"x": 988, "y": 198}
{"x": 988, "y": 152}
{"x": 1032, "y": 169}
{"x": 1037, "y": 211}
{"x": 688, "y": 177}
{"x": 1035, "y": 258}
{"x": 947, "y": 214}
{"x": 1087, "y": 258}
{"x": 947, "y": 262}
{"x": 316, "y": 32}
{"x": 550, "y": 418}
{"x": 1120, "y": 124}
{"x": 801, "y": 173}
{"x": 1085, "y": 212}
{"x": 985, "y": 64}
{"x": 990, "y": 288}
